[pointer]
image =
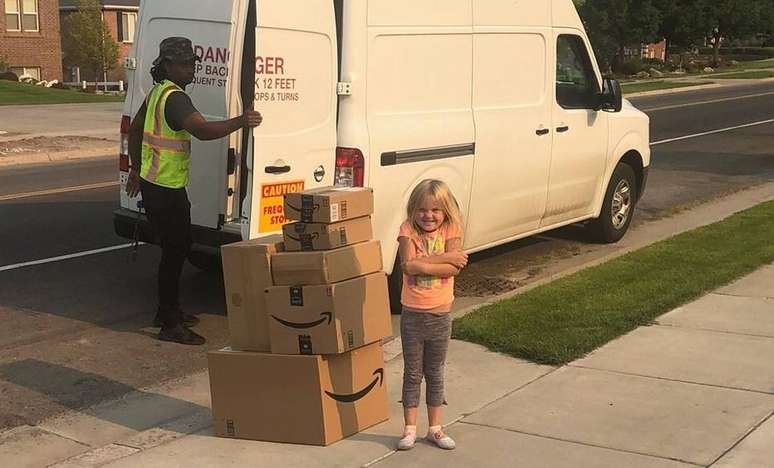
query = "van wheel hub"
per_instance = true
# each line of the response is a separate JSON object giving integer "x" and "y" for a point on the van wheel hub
{"x": 622, "y": 204}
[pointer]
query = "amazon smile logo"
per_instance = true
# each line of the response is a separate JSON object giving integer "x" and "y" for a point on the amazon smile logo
{"x": 326, "y": 317}
{"x": 353, "y": 397}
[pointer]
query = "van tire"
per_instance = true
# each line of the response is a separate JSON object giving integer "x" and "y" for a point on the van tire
{"x": 205, "y": 261}
{"x": 611, "y": 226}
{"x": 395, "y": 285}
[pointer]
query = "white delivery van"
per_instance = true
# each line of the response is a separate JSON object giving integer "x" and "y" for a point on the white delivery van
{"x": 502, "y": 100}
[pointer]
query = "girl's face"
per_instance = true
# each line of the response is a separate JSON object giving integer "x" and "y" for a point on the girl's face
{"x": 429, "y": 215}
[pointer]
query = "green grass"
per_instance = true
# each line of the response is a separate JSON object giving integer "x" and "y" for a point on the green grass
{"x": 756, "y": 64}
{"x": 564, "y": 320}
{"x": 12, "y": 93}
{"x": 749, "y": 75}
{"x": 637, "y": 87}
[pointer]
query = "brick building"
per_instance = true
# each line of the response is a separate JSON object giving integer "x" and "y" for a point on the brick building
{"x": 30, "y": 42}
{"x": 655, "y": 51}
{"x": 121, "y": 18}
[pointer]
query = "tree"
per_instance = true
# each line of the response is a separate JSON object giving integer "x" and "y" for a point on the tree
{"x": 614, "y": 25}
{"x": 684, "y": 23}
{"x": 86, "y": 40}
{"x": 732, "y": 19}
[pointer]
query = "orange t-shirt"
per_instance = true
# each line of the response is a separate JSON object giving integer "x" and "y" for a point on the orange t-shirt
{"x": 428, "y": 292}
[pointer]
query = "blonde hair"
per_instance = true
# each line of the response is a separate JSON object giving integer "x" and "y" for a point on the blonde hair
{"x": 442, "y": 194}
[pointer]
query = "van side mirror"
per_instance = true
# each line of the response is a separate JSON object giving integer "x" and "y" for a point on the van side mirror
{"x": 611, "y": 98}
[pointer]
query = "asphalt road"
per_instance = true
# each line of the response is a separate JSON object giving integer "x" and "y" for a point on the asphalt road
{"x": 75, "y": 332}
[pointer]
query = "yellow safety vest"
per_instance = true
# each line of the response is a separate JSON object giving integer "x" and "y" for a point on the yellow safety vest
{"x": 166, "y": 154}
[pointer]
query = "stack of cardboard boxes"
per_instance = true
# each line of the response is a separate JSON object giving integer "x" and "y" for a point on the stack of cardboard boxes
{"x": 307, "y": 312}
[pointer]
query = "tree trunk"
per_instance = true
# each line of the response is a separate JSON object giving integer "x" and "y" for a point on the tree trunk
{"x": 716, "y": 50}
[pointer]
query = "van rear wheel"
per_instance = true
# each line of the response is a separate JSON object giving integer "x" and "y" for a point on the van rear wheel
{"x": 617, "y": 207}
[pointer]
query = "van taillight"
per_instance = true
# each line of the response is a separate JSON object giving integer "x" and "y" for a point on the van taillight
{"x": 123, "y": 151}
{"x": 350, "y": 167}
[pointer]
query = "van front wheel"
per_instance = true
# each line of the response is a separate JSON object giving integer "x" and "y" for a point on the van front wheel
{"x": 617, "y": 207}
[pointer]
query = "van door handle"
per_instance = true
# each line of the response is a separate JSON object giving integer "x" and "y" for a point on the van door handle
{"x": 277, "y": 169}
{"x": 542, "y": 131}
{"x": 563, "y": 129}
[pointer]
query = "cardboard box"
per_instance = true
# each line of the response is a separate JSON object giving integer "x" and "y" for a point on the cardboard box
{"x": 329, "y": 204}
{"x": 314, "y": 400}
{"x": 318, "y": 236}
{"x": 326, "y": 267}
{"x": 329, "y": 319}
{"x": 246, "y": 275}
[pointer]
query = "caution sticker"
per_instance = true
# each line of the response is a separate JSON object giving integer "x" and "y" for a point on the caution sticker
{"x": 272, "y": 204}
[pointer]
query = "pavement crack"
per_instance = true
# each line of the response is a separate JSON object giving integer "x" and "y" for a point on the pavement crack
{"x": 742, "y": 295}
{"x": 667, "y": 379}
{"x": 711, "y": 330}
{"x": 577, "y": 442}
{"x": 51, "y": 431}
{"x": 741, "y": 439}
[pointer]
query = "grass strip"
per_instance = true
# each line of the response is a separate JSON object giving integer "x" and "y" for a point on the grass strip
{"x": 564, "y": 320}
{"x": 750, "y": 75}
{"x": 756, "y": 64}
{"x": 12, "y": 93}
{"x": 657, "y": 85}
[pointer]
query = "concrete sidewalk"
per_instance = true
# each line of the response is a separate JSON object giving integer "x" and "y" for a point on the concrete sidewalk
{"x": 694, "y": 389}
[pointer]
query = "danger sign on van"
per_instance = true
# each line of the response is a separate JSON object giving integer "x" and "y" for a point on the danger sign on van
{"x": 272, "y": 83}
{"x": 272, "y": 204}
{"x": 213, "y": 69}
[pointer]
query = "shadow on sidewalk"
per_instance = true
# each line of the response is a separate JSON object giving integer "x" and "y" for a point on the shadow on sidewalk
{"x": 48, "y": 379}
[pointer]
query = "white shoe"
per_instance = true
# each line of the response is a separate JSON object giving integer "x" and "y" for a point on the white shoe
{"x": 441, "y": 440}
{"x": 408, "y": 441}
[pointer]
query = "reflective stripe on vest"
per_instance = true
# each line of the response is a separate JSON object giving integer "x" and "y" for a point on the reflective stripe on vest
{"x": 166, "y": 153}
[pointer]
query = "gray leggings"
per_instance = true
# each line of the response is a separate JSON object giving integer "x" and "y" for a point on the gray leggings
{"x": 425, "y": 340}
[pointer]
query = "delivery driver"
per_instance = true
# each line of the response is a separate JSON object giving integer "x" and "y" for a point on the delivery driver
{"x": 160, "y": 150}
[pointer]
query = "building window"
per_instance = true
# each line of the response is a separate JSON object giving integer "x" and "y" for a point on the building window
{"x": 126, "y": 23}
{"x": 12, "y": 15}
{"x": 21, "y": 15}
{"x": 34, "y": 72}
{"x": 30, "y": 15}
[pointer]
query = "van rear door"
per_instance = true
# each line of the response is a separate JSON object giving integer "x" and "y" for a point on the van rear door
{"x": 213, "y": 27}
{"x": 296, "y": 76}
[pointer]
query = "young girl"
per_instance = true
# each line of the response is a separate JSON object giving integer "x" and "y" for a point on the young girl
{"x": 431, "y": 256}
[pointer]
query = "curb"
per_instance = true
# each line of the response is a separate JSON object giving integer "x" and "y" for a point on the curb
{"x": 57, "y": 156}
{"x": 729, "y": 82}
{"x": 660, "y": 92}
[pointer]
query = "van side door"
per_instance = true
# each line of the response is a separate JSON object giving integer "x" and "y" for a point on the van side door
{"x": 512, "y": 99}
{"x": 580, "y": 133}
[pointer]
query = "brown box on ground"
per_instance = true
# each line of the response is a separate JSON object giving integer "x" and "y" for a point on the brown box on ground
{"x": 314, "y": 400}
{"x": 329, "y": 204}
{"x": 319, "y": 236}
{"x": 326, "y": 267}
{"x": 246, "y": 275}
{"x": 329, "y": 319}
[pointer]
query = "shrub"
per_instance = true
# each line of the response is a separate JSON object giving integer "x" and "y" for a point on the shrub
{"x": 631, "y": 67}
{"x": 9, "y": 76}
{"x": 759, "y": 52}
{"x": 658, "y": 64}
